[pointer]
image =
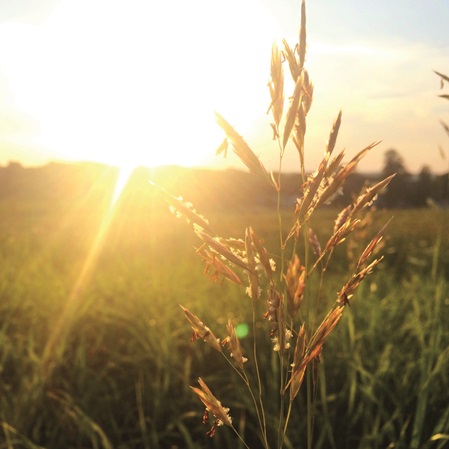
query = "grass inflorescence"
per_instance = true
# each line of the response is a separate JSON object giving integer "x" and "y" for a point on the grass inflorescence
{"x": 287, "y": 280}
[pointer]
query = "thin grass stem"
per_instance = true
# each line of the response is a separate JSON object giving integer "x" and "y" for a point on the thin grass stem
{"x": 287, "y": 420}
{"x": 240, "y": 437}
{"x": 259, "y": 382}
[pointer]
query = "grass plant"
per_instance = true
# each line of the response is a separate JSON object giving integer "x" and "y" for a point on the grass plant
{"x": 286, "y": 281}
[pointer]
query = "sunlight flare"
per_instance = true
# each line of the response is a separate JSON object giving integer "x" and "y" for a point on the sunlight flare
{"x": 62, "y": 324}
{"x": 144, "y": 90}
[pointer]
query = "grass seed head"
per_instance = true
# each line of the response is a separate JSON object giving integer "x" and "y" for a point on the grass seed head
{"x": 184, "y": 209}
{"x": 220, "y": 247}
{"x": 365, "y": 199}
{"x": 348, "y": 289}
{"x": 372, "y": 245}
{"x": 341, "y": 233}
{"x": 292, "y": 110}
{"x": 295, "y": 283}
{"x": 234, "y": 346}
{"x": 263, "y": 253}
{"x": 215, "y": 265}
{"x": 342, "y": 218}
{"x": 213, "y": 405}
{"x": 276, "y": 85}
{"x": 290, "y": 57}
{"x": 298, "y": 369}
{"x": 200, "y": 330}
{"x": 223, "y": 148}
{"x": 279, "y": 334}
{"x": 314, "y": 243}
{"x": 254, "y": 289}
{"x": 333, "y": 134}
{"x": 243, "y": 151}
{"x": 311, "y": 196}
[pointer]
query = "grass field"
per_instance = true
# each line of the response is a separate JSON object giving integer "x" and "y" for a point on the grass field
{"x": 95, "y": 351}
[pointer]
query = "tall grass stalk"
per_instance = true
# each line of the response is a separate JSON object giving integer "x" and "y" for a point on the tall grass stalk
{"x": 295, "y": 307}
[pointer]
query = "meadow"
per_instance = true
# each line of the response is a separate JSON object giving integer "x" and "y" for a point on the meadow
{"x": 95, "y": 351}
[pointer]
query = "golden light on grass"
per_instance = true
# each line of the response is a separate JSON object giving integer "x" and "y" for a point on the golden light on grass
{"x": 62, "y": 325}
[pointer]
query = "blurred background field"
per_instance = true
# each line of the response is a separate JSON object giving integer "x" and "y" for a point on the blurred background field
{"x": 95, "y": 351}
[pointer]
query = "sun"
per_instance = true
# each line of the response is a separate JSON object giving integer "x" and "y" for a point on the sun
{"x": 137, "y": 85}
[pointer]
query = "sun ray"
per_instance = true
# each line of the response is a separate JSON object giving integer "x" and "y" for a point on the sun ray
{"x": 124, "y": 173}
{"x": 63, "y": 324}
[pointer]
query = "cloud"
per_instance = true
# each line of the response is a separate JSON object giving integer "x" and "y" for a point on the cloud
{"x": 386, "y": 92}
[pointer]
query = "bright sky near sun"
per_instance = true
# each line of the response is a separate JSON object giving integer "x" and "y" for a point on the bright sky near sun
{"x": 137, "y": 82}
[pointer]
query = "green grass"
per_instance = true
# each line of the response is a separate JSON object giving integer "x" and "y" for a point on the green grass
{"x": 119, "y": 370}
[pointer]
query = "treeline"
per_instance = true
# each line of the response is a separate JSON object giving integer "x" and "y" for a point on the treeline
{"x": 57, "y": 185}
{"x": 408, "y": 190}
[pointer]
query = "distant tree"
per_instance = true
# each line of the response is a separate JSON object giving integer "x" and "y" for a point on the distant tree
{"x": 393, "y": 163}
{"x": 397, "y": 194}
{"x": 424, "y": 188}
{"x": 14, "y": 166}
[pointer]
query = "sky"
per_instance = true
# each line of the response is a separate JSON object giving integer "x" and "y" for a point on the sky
{"x": 137, "y": 82}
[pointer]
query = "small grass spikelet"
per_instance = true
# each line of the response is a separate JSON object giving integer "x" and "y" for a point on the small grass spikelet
{"x": 200, "y": 330}
{"x": 295, "y": 284}
{"x": 234, "y": 346}
{"x": 184, "y": 209}
{"x": 213, "y": 405}
{"x": 348, "y": 289}
{"x": 253, "y": 277}
{"x": 279, "y": 334}
{"x": 276, "y": 86}
{"x": 215, "y": 265}
{"x": 298, "y": 369}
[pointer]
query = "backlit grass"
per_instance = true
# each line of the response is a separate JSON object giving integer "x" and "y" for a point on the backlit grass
{"x": 122, "y": 368}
